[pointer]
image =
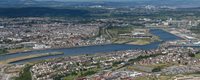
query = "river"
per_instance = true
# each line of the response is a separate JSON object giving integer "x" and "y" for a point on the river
{"x": 164, "y": 36}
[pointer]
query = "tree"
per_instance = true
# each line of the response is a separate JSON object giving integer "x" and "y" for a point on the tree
{"x": 157, "y": 69}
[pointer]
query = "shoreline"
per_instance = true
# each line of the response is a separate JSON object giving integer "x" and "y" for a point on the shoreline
{"x": 30, "y": 57}
{"x": 31, "y": 50}
{"x": 118, "y": 47}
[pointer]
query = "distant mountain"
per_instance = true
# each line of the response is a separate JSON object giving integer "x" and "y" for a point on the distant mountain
{"x": 29, "y": 3}
{"x": 175, "y": 3}
{"x": 118, "y": 3}
{"x": 41, "y": 12}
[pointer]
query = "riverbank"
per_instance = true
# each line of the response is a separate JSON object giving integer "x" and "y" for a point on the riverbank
{"x": 163, "y": 35}
{"x": 30, "y": 57}
{"x": 139, "y": 42}
{"x": 12, "y": 51}
{"x": 129, "y": 41}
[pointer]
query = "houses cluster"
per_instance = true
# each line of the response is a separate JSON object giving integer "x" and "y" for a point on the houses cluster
{"x": 173, "y": 70}
{"x": 114, "y": 65}
{"x": 8, "y": 72}
{"x": 107, "y": 62}
{"x": 187, "y": 38}
{"x": 67, "y": 65}
{"x": 176, "y": 23}
{"x": 40, "y": 33}
{"x": 116, "y": 75}
{"x": 172, "y": 56}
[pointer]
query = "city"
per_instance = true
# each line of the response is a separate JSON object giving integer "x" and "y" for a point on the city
{"x": 99, "y": 40}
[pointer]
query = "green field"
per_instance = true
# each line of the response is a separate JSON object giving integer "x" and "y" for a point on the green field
{"x": 3, "y": 51}
{"x": 25, "y": 74}
{"x": 196, "y": 30}
{"x": 115, "y": 31}
{"x": 77, "y": 74}
{"x": 197, "y": 56}
{"x": 114, "y": 35}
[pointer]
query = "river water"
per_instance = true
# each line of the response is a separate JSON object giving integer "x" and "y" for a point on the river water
{"x": 164, "y": 36}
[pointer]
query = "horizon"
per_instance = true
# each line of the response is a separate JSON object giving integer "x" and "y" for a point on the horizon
{"x": 119, "y": 3}
{"x": 99, "y": 39}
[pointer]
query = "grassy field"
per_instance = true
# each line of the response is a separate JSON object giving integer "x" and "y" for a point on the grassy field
{"x": 123, "y": 40}
{"x": 18, "y": 50}
{"x": 74, "y": 76}
{"x": 140, "y": 42}
{"x": 3, "y": 51}
{"x": 25, "y": 74}
{"x": 115, "y": 32}
{"x": 197, "y": 55}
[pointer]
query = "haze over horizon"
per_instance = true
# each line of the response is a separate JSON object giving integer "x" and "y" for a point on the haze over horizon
{"x": 116, "y": 0}
{"x": 64, "y": 3}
